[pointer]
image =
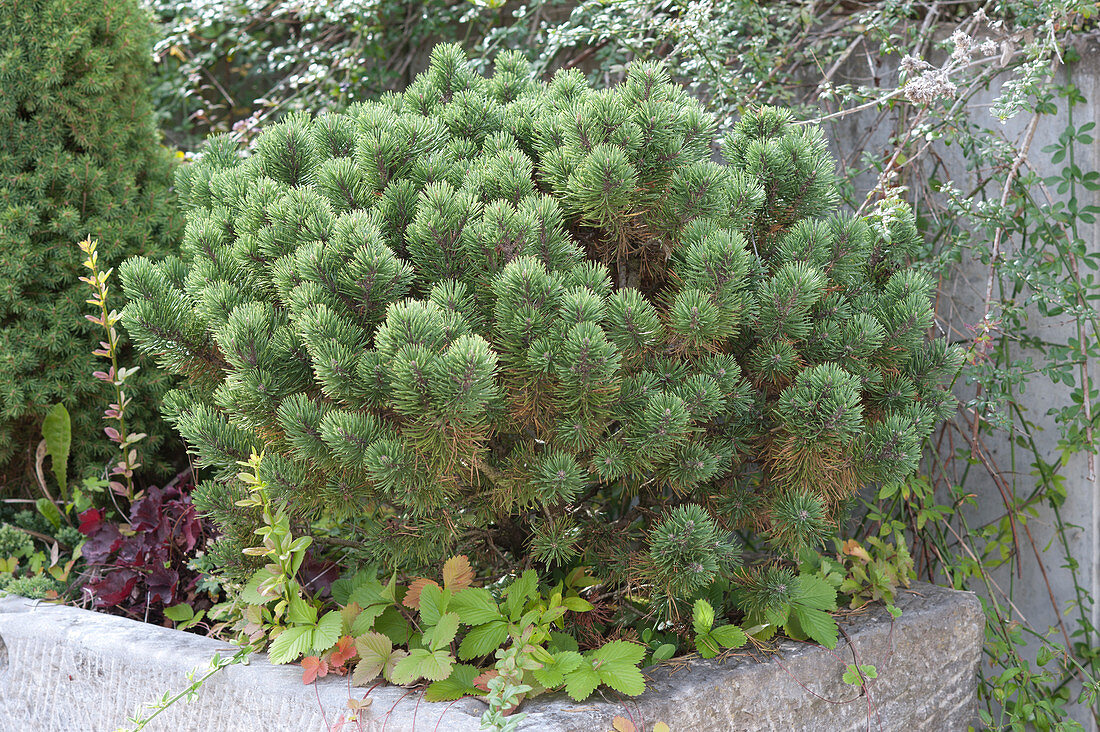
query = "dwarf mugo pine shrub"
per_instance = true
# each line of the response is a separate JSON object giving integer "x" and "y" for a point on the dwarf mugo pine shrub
{"x": 536, "y": 320}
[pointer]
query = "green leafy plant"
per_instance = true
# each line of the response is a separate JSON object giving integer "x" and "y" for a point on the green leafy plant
{"x": 859, "y": 675}
{"x": 420, "y": 632}
{"x": 57, "y": 435}
{"x": 536, "y": 322}
{"x": 710, "y": 640}
{"x": 120, "y": 475}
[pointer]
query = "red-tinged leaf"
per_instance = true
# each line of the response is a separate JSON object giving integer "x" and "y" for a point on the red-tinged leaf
{"x": 483, "y": 679}
{"x": 90, "y": 520}
{"x": 95, "y": 318}
{"x": 112, "y": 434}
{"x": 457, "y": 573}
{"x": 117, "y": 487}
{"x": 312, "y": 668}
{"x": 114, "y": 588}
{"x": 102, "y": 376}
{"x": 622, "y": 724}
{"x": 101, "y": 543}
{"x": 162, "y": 585}
{"x": 101, "y": 352}
{"x": 412, "y": 597}
{"x": 344, "y": 651}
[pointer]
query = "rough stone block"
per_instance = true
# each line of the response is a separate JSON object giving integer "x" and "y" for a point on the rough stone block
{"x": 63, "y": 668}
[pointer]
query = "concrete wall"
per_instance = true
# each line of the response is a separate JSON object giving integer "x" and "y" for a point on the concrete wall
{"x": 962, "y": 305}
{"x": 64, "y": 669}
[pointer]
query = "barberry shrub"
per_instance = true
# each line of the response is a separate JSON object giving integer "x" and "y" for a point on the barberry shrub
{"x": 538, "y": 322}
{"x": 79, "y": 156}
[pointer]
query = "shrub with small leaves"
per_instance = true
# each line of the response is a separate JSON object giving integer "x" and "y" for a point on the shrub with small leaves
{"x": 536, "y": 320}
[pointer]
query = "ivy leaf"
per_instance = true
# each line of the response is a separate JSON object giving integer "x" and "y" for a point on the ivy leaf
{"x": 443, "y": 633}
{"x": 582, "y": 681}
{"x": 702, "y": 617}
{"x": 422, "y": 663}
{"x": 456, "y": 686}
{"x": 475, "y": 606}
{"x": 552, "y": 674}
{"x": 327, "y": 631}
{"x": 457, "y": 573}
{"x": 290, "y": 645}
{"x": 483, "y": 640}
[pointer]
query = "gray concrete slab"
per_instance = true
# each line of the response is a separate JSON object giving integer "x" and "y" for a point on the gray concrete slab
{"x": 63, "y": 668}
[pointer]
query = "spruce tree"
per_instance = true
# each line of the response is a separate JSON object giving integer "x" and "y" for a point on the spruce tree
{"x": 539, "y": 322}
{"x": 78, "y": 157}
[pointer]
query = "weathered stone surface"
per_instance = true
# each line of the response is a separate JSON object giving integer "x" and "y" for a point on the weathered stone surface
{"x": 67, "y": 669}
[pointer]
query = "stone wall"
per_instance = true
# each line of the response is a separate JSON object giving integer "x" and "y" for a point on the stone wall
{"x": 64, "y": 669}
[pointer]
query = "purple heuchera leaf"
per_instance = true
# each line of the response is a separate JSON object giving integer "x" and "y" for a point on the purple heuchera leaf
{"x": 145, "y": 565}
{"x": 105, "y": 539}
{"x": 162, "y": 585}
{"x": 113, "y": 588}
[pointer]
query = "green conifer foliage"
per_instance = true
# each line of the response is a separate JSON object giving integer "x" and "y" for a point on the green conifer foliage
{"x": 536, "y": 321}
{"x": 78, "y": 157}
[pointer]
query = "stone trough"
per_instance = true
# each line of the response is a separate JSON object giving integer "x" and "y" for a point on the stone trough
{"x": 63, "y": 668}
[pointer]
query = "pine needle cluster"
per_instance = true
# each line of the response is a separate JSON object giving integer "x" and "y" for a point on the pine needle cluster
{"x": 538, "y": 321}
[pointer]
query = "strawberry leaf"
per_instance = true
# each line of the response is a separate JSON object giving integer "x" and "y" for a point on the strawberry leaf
{"x": 582, "y": 681}
{"x": 443, "y": 633}
{"x": 457, "y": 573}
{"x": 483, "y": 640}
{"x": 459, "y": 684}
{"x": 422, "y": 664}
{"x": 290, "y": 645}
{"x": 475, "y": 606}
{"x": 702, "y": 617}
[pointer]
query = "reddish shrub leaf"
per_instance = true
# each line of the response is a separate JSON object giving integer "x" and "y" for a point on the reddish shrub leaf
{"x": 104, "y": 540}
{"x": 114, "y": 588}
{"x": 312, "y": 667}
{"x": 90, "y": 520}
{"x": 344, "y": 651}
